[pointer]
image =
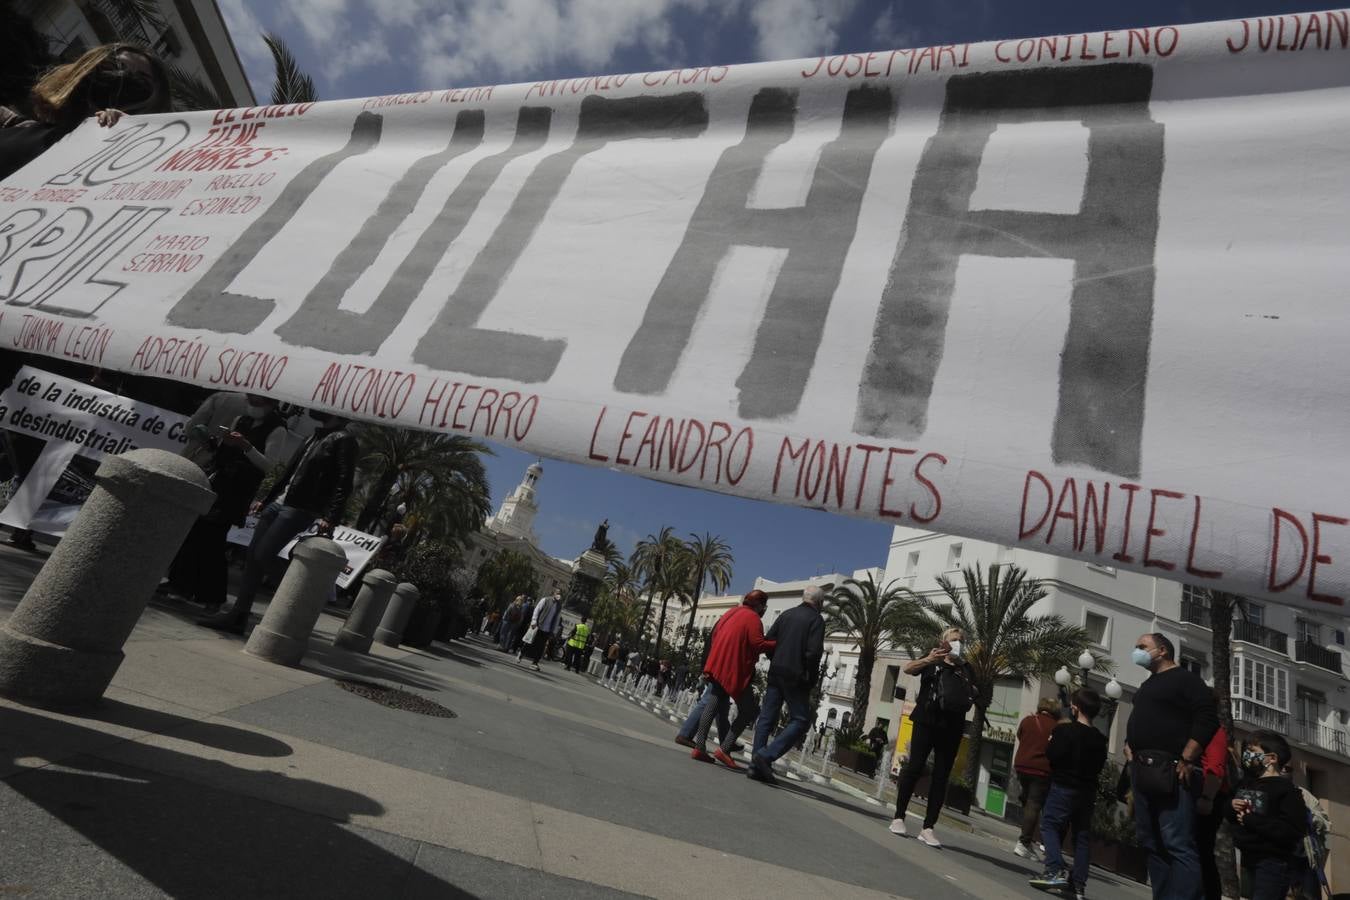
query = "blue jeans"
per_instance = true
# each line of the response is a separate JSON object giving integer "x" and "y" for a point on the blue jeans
{"x": 1067, "y": 807}
{"x": 1166, "y": 829}
{"x": 277, "y": 524}
{"x": 1269, "y": 878}
{"x": 690, "y": 726}
{"x": 798, "y": 702}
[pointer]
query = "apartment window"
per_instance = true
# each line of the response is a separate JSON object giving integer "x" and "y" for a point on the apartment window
{"x": 1308, "y": 631}
{"x": 1262, "y": 683}
{"x": 1340, "y": 638}
{"x": 888, "y": 683}
{"x": 1192, "y": 594}
{"x": 953, "y": 557}
{"x": 912, "y": 563}
{"x": 1256, "y": 613}
{"x": 1309, "y": 705}
{"x": 1194, "y": 660}
{"x": 1097, "y": 627}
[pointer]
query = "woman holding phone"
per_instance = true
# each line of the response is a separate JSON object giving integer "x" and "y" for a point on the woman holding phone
{"x": 946, "y": 694}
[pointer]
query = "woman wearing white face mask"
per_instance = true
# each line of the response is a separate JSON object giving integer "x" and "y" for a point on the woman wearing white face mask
{"x": 946, "y": 694}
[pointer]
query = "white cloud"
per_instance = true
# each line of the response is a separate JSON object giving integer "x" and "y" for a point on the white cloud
{"x": 321, "y": 20}
{"x": 890, "y": 33}
{"x": 787, "y": 29}
{"x": 483, "y": 40}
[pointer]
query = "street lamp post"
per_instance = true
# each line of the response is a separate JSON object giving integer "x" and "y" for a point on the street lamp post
{"x": 1086, "y": 663}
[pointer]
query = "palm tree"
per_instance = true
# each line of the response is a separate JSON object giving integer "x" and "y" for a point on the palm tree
{"x": 506, "y": 574}
{"x": 191, "y": 92}
{"x": 611, "y": 552}
{"x": 291, "y": 85}
{"x": 656, "y": 558}
{"x": 1002, "y": 639}
{"x": 870, "y": 613}
{"x": 440, "y": 477}
{"x": 711, "y": 560}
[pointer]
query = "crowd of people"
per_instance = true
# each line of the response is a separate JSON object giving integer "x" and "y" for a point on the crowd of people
{"x": 1185, "y": 776}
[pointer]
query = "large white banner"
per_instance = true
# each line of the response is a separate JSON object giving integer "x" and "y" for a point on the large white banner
{"x": 1084, "y": 293}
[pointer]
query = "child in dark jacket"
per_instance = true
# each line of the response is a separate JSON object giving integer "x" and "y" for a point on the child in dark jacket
{"x": 1077, "y": 752}
{"x": 1270, "y": 816}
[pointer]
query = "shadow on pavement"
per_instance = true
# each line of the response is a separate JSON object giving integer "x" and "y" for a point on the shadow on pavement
{"x": 444, "y": 652}
{"x": 209, "y": 734}
{"x": 800, "y": 789}
{"x": 227, "y": 832}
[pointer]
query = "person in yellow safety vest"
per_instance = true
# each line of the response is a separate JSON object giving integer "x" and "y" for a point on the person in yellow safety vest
{"x": 576, "y": 646}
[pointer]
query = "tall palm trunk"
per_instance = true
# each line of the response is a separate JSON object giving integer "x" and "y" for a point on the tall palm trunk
{"x": 1221, "y": 608}
{"x": 693, "y": 611}
{"x": 975, "y": 743}
{"x": 647, "y": 607}
{"x": 862, "y": 685}
{"x": 661, "y": 622}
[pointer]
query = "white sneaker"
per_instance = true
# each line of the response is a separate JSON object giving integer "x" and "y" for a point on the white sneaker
{"x": 1023, "y": 850}
{"x": 898, "y": 827}
{"x": 927, "y": 837}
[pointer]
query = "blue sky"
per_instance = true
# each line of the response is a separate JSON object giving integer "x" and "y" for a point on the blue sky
{"x": 360, "y": 48}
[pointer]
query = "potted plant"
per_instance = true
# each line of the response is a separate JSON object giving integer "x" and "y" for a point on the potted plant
{"x": 431, "y": 567}
{"x": 852, "y": 752}
{"x": 960, "y": 794}
{"x": 1114, "y": 844}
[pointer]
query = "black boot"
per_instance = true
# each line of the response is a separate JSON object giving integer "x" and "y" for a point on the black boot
{"x": 228, "y": 621}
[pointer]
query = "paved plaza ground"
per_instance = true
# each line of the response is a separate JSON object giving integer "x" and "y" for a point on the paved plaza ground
{"x": 208, "y": 773}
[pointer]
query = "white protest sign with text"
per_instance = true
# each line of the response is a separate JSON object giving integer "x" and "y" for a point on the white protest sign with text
{"x": 1081, "y": 294}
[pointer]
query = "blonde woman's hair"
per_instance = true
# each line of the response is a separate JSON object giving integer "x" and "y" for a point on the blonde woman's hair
{"x": 60, "y": 96}
{"x": 946, "y": 635}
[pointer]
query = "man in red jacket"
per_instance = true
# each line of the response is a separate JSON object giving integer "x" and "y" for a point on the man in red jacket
{"x": 737, "y": 642}
{"x": 1033, "y": 770}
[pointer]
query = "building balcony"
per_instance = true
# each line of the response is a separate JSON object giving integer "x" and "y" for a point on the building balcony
{"x": 1312, "y": 734}
{"x": 1317, "y": 655}
{"x": 1194, "y": 612}
{"x": 1316, "y": 734}
{"x": 1261, "y": 636}
{"x": 839, "y": 688}
{"x": 1262, "y": 717}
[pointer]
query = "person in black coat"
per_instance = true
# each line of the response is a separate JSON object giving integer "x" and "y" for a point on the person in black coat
{"x": 800, "y": 637}
{"x": 1269, "y": 815}
{"x": 313, "y": 489}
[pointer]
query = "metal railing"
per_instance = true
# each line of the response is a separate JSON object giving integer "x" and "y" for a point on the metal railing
{"x": 1261, "y": 636}
{"x": 1194, "y": 612}
{"x": 1261, "y": 716}
{"x": 1309, "y": 652}
{"x": 1319, "y": 735}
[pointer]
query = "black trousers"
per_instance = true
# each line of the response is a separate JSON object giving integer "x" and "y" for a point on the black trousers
{"x": 200, "y": 571}
{"x": 942, "y": 740}
{"x": 1206, "y": 835}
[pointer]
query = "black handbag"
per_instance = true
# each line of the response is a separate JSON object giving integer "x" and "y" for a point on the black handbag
{"x": 1154, "y": 774}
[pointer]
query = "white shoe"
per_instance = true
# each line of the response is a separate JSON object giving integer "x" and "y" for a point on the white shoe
{"x": 1023, "y": 850}
{"x": 927, "y": 837}
{"x": 898, "y": 827}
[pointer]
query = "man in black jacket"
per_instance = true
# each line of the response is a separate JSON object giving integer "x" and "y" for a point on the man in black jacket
{"x": 1173, "y": 719}
{"x": 800, "y": 633}
{"x": 314, "y": 487}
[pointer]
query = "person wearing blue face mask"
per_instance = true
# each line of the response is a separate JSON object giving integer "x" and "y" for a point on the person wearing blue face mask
{"x": 1173, "y": 719}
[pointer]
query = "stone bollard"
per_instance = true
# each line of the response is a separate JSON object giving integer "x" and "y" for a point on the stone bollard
{"x": 283, "y": 634}
{"x": 359, "y": 632}
{"x": 63, "y": 644}
{"x": 396, "y": 615}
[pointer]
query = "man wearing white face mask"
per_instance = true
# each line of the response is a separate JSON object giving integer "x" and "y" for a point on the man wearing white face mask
{"x": 946, "y": 694}
{"x": 1173, "y": 719}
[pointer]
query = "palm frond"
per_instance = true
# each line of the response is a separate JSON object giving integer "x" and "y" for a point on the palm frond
{"x": 291, "y": 84}
{"x": 191, "y": 92}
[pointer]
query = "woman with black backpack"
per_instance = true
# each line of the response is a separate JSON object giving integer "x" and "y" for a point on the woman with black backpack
{"x": 946, "y": 694}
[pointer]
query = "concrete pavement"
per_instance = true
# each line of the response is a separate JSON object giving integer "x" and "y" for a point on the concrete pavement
{"x": 208, "y": 773}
